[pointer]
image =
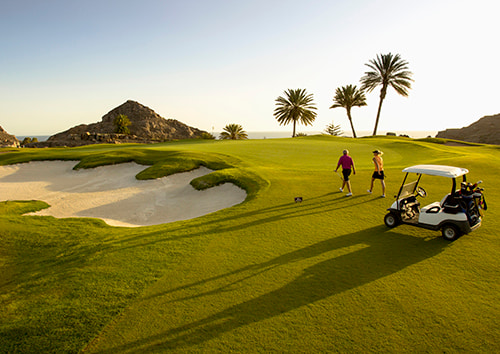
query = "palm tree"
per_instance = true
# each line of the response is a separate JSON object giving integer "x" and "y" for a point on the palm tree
{"x": 297, "y": 105}
{"x": 349, "y": 96}
{"x": 388, "y": 70}
{"x": 233, "y": 132}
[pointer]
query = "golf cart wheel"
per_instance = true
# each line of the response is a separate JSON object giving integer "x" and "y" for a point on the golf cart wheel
{"x": 391, "y": 220}
{"x": 450, "y": 232}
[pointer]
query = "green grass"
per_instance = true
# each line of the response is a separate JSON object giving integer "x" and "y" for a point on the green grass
{"x": 268, "y": 275}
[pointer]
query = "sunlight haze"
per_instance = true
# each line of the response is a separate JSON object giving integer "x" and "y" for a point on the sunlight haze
{"x": 208, "y": 64}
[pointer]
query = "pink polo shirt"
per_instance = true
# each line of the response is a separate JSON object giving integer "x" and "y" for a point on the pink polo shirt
{"x": 345, "y": 161}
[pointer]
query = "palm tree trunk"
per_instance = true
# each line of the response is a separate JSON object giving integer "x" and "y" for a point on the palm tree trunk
{"x": 350, "y": 121}
{"x": 382, "y": 96}
{"x": 293, "y": 134}
{"x": 378, "y": 116}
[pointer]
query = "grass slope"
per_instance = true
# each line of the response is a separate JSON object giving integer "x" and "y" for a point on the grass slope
{"x": 268, "y": 275}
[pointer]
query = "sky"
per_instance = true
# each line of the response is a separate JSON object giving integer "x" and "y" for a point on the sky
{"x": 213, "y": 63}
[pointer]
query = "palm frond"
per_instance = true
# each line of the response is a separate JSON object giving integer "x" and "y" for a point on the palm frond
{"x": 349, "y": 96}
{"x": 386, "y": 70}
{"x": 233, "y": 132}
{"x": 295, "y": 106}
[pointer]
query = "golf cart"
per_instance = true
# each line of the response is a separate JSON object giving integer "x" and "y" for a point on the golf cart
{"x": 459, "y": 212}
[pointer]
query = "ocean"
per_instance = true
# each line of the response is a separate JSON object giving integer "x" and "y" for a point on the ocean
{"x": 39, "y": 137}
{"x": 276, "y": 135}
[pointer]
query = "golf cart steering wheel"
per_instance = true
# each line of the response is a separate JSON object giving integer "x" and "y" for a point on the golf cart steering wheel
{"x": 421, "y": 192}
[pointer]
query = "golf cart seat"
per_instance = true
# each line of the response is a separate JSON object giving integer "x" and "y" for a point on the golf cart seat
{"x": 450, "y": 204}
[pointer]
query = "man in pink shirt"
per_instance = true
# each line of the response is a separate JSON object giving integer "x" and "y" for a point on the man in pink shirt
{"x": 347, "y": 166}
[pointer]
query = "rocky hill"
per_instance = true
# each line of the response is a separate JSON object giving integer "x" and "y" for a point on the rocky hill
{"x": 485, "y": 131}
{"x": 7, "y": 140}
{"x": 147, "y": 127}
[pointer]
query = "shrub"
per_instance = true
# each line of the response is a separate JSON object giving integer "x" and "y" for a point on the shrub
{"x": 121, "y": 123}
{"x": 207, "y": 136}
{"x": 332, "y": 129}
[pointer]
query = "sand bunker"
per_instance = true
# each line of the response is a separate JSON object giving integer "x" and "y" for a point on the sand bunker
{"x": 112, "y": 193}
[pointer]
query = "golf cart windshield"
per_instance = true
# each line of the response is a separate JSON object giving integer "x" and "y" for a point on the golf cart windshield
{"x": 408, "y": 189}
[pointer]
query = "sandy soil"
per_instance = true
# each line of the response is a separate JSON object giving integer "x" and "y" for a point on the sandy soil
{"x": 112, "y": 193}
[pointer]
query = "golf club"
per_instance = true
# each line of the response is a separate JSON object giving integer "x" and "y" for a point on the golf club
{"x": 340, "y": 176}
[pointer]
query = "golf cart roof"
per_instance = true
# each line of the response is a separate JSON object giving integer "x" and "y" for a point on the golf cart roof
{"x": 437, "y": 170}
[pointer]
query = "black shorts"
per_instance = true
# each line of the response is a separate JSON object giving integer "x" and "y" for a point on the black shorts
{"x": 346, "y": 172}
{"x": 376, "y": 175}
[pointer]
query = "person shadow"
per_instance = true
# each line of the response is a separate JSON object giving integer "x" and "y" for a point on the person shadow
{"x": 344, "y": 262}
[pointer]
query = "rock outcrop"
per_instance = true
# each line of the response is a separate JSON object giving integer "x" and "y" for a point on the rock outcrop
{"x": 7, "y": 140}
{"x": 485, "y": 131}
{"x": 146, "y": 127}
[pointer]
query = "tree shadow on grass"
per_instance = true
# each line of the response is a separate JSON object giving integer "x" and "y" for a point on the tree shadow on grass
{"x": 235, "y": 221}
{"x": 360, "y": 258}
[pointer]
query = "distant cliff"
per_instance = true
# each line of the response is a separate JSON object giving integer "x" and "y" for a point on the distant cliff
{"x": 7, "y": 140}
{"x": 485, "y": 131}
{"x": 146, "y": 127}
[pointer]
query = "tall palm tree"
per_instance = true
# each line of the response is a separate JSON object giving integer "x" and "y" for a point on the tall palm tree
{"x": 296, "y": 106}
{"x": 233, "y": 132}
{"x": 349, "y": 96}
{"x": 387, "y": 70}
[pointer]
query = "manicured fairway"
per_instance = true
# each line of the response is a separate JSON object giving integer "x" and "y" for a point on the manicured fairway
{"x": 268, "y": 275}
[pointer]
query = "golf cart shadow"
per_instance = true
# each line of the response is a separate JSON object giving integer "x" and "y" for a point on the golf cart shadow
{"x": 321, "y": 272}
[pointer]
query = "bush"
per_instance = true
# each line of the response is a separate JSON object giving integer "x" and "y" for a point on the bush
{"x": 121, "y": 123}
{"x": 29, "y": 140}
{"x": 207, "y": 136}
